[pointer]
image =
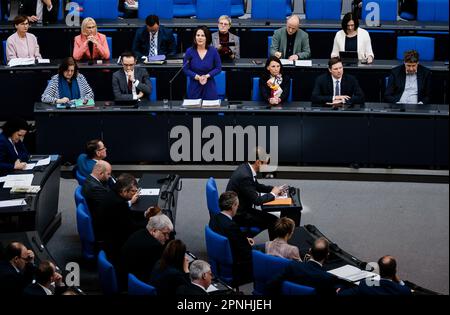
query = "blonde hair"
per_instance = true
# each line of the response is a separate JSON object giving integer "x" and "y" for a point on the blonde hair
{"x": 84, "y": 24}
{"x": 225, "y": 17}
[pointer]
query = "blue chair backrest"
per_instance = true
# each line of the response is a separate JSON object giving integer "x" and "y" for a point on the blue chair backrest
{"x": 269, "y": 9}
{"x": 269, "y": 44}
{"x": 265, "y": 267}
{"x": 85, "y": 231}
{"x": 219, "y": 255}
{"x": 432, "y": 10}
{"x": 212, "y": 197}
{"x": 423, "y": 45}
{"x": 388, "y": 9}
{"x": 110, "y": 46}
{"x": 4, "y": 52}
{"x": 290, "y": 288}
{"x": 101, "y": 9}
{"x": 256, "y": 93}
{"x": 61, "y": 10}
{"x": 152, "y": 97}
{"x": 323, "y": 9}
{"x": 237, "y": 8}
{"x": 221, "y": 80}
{"x": 137, "y": 287}
{"x": 211, "y": 9}
{"x": 107, "y": 275}
{"x": 79, "y": 198}
{"x": 184, "y": 8}
{"x": 162, "y": 8}
{"x": 80, "y": 178}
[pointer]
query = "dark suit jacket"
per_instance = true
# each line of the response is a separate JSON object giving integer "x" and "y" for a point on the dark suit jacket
{"x": 28, "y": 8}
{"x": 323, "y": 90}
{"x": 396, "y": 84}
{"x": 384, "y": 287}
{"x": 168, "y": 280}
{"x": 240, "y": 248}
{"x": 34, "y": 289}
{"x": 12, "y": 283}
{"x": 95, "y": 194}
{"x": 166, "y": 42}
{"x": 120, "y": 84}
{"x": 248, "y": 190}
{"x": 140, "y": 253}
{"x": 8, "y": 155}
{"x": 266, "y": 91}
{"x": 190, "y": 289}
{"x": 307, "y": 273}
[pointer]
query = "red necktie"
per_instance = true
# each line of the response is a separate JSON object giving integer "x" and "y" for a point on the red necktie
{"x": 130, "y": 86}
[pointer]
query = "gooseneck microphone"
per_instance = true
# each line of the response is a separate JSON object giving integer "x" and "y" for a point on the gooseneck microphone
{"x": 173, "y": 79}
{"x": 91, "y": 51}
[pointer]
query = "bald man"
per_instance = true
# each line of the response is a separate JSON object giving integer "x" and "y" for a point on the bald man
{"x": 95, "y": 189}
{"x": 290, "y": 42}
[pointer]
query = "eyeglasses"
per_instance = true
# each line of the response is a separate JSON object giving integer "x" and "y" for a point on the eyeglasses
{"x": 224, "y": 24}
{"x": 101, "y": 149}
{"x": 128, "y": 64}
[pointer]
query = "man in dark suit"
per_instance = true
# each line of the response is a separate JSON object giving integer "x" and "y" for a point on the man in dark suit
{"x": 243, "y": 181}
{"x": 144, "y": 247}
{"x": 17, "y": 270}
{"x": 310, "y": 273}
{"x": 389, "y": 283}
{"x": 336, "y": 88}
{"x": 201, "y": 278}
{"x": 241, "y": 246}
{"x": 409, "y": 83}
{"x": 95, "y": 190}
{"x": 131, "y": 83}
{"x": 153, "y": 39}
{"x": 39, "y": 10}
{"x": 45, "y": 275}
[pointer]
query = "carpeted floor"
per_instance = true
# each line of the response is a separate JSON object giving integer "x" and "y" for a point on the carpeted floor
{"x": 367, "y": 219}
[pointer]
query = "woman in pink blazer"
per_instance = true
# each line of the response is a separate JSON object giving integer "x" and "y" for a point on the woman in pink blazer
{"x": 284, "y": 228}
{"x": 90, "y": 44}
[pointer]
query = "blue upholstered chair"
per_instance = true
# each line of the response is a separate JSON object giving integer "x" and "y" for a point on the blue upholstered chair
{"x": 79, "y": 198}
{"x": 212, "y": 197}
{"x": 162, "y": 8}
{"x": 100, "y": 9}
{"x": 423, "y": 45}
{"x": 219, "y": 255}
{"x": 256, "y": 93}
{"x": 212, "y": 9}
{"x": 221, "y": 80}
{"x": 85, "y": 231}
{"x": 80, "y": 178}
{"x": 110, "y": 46}
{"x": 265, "y": 267}
{"x": 237, "y": 8}
{"x": 137, "y": 287}
{"x": 4, "y": 52}
{"x": 271, "y": 9}
{"x": 153, "y": 96}
{"x": 184, "y": 8}
{"x": 323, "y": 9}
{"x": 290, "y": 288}
{"x": 388, "y": 9}
{"x": 432, "y": 10}
{"x": 107, "y": 275}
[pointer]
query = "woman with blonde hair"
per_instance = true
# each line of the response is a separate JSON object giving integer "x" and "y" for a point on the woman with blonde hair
{"x": 90, "y": 44}
{"x": 284, "y": 228}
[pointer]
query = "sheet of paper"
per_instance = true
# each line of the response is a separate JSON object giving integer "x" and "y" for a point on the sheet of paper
{"x": 286, "y": 62}
{"x": 3, "y": 178}
{"x": 12, "y": 203}
{"x": 193, "y": 102}
{"x": 213, "y": 103}
{"x": 149, "y": 192}
{"x": 43, "y": 162}
{"x": 212, "y": 288}
{"x": 43, "y": 60}
{"x": 303, "y": 63}
{"x": 21, "y": 62}
{"x": 18, "y": 180}
{"x": 30, "y": 166}
{"x": 351, "y": 273}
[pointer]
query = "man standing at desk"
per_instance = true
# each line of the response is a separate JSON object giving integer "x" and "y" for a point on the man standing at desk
{"x": 130, "y": 83}
{"x": 336, "y": 89}
{"x": 409, "y": 83}
{"x": 244, "y": 183}
{"x": 153, "y": 39}
{"x": 290, "y": 42}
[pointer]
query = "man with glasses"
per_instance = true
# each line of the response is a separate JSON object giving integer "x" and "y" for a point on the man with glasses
{"x": 227, "y": 44}
{"x": 17, "y": 271}
{"x": 145, "y": 247}
{"x": 95, "y": 151}
{"x": 290, "y": 42}
{"x": 153, "y": 39}
{"x": 201, "y": 278}
{"x": 131, "y": 83}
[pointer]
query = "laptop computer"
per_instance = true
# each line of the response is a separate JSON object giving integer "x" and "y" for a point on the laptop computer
{"x": 349, "y": 58}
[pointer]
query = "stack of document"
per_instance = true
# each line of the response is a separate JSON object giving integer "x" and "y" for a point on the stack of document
{"x": 17, "y": 180}
{"x": 21, "y": 62}
{"x": 297, "y": 63}
{"x": 192, "y": 103}
{"x": 352, "y": 273}
{"x": 12, "y": 203}
{"x": 25, "y": 189}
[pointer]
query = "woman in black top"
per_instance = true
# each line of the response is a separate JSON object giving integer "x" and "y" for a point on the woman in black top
{"x": 273, "y": 85}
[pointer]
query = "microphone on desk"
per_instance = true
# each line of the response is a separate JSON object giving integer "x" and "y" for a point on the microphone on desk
{"x": 91, "y": 52}
{"x": 173, "y": 79}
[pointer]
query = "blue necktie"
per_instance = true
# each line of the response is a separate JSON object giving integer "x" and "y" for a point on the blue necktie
{"x": 337, "y": 89}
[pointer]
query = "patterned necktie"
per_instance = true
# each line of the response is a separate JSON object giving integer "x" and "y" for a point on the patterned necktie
{"x": 130, "y": 86}
{"x": 337, "y": 90}
{"x": 152, "y": 44}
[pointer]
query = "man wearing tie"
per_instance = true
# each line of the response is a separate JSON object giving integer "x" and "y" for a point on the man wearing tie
{"x": 336, "y": 89}
{"x": 243, "y": 182}
{"x": 153, "y": 39}
{"x": 45, "y": 11}
{"x": 130, "y": 83}
{"x": 13, "y": 153}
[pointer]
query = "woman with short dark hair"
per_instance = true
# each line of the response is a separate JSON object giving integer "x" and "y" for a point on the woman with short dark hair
{"x": 68, "y": 85}
{"x": 202, "y": 63}
{"x": 22, "y": 44}
{"x": 284, "y": 229}
{"x": 273, "y": 85}
{"x": 13, "y": 154}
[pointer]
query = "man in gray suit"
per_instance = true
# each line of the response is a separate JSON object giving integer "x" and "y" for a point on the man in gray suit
{"x": 130, "y": 83}
{"x": 290, "y": 42}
